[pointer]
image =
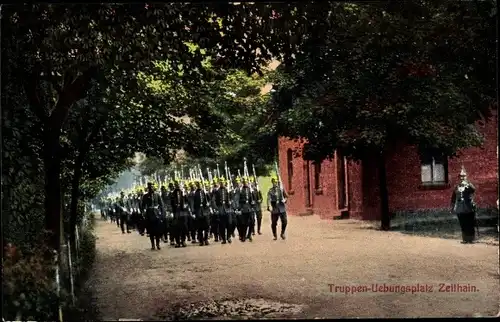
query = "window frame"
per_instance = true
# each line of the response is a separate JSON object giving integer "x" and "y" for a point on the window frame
{"x": 432, "y": 159}
{"x": 318, "y": 182}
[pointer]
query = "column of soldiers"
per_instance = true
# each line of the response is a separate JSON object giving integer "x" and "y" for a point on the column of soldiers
{"x": 196, "y": 211}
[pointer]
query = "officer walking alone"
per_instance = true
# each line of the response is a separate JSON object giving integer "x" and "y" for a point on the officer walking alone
{"x": 276, "y": 198}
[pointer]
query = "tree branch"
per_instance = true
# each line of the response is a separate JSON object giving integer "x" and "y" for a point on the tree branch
{"x": 31, "y": 89}
{"x": 71, "y": 93}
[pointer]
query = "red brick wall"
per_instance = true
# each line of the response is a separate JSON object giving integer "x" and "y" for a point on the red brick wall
{"x": 403, "y": 180}
{"x": 325, "y": 199}
{"x": 296, "y": 203}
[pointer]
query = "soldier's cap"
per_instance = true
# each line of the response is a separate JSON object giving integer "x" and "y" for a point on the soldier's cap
{"x": 122, "y": 192}
{"x": 252, "y": 179}
{"x": 274, "y": 178}
{"x": 237, "y": 179}
{"x": 244, "y": 179}
{"x": 222, "y": 179}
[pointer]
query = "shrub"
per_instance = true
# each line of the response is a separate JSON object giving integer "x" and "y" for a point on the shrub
{"x": 28, "y": 284}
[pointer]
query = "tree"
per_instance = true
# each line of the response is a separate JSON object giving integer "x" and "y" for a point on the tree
{"x": 53, "y": 52}
{"x": 369, "y": 77}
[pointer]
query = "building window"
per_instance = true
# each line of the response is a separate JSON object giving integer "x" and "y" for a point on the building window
{"x": 317, "y": 176}
{"x": 289, "y": 162}
{"x": 434, "y": 169}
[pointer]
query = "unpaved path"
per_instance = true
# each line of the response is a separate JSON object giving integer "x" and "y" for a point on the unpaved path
{"x": 131, "y": 281}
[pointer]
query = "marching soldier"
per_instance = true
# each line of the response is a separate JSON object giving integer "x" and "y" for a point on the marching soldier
{"x": 140, "y": 220}
{"x": 222, "y": 205}
{"x": 245, "y": 206}
{"x": 463, "y": 205}
{"x": 191, "y": 220}
{"x": 257, "y": 196}
{"x": 236, "y": 206}
{"x": 110, "y": 210}
{"x": 114, "y": 217}
{"x": 165, "y": 199}
{"x": 169, "y": 222}
{"x": 155, "y": 212}
{"x": 130, "y": 212}
{"x": 179, "y": 209}
{"x": 276, "y": 198}
{"x": 214, "y": 220}
{"x": 201, "y": 207}
{"x": 121, "y": 210}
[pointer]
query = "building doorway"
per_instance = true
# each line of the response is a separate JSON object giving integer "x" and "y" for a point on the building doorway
{"x": 307, "y": 184}
{"x": 342, "y": 198}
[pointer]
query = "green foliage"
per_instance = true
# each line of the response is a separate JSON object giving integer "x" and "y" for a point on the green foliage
{"x": 384, "y": 73}
{"x": 28, "y": 286}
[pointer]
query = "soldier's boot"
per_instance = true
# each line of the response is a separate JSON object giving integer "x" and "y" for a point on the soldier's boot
{"x": 158, "y": 242}
{"x": 283, "y": 236}
{"x": 152, "y": 242}
{"x": 249, "y": 235}
{"x": 259, "y": 225}
{"x": 206, "y": 243}
{"x": 273, "y": 228}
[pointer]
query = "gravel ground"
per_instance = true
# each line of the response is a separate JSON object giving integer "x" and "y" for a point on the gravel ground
{"x": 293, "y": 278}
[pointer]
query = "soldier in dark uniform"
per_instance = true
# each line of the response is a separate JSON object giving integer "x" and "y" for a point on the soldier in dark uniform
{"x": 170, "y": 215}
{"x": 133, "y": 208}
{"x": 233, "y": 194}
{"x": 245, "y": 206}
{"x": 166, "y": 201}
{"x": 237, "y": 213}
{"x": 121, "y": 210}
{"x": 191, "y": 219}
{"x": 114, "y": 217}
{"x": 180, "y": 211}
{"x": 463, "y": 205}
{"x": 222, "y": 205}
{"x": 201, "y": 207}
{"x": 130, "y": 211}
{"x": 214, "y": 220}
{"x": 257, "y": 197}
{"x": 109, "y": 210}
{"x": 141, "y": 223}
{"x": 276, "y": 198}
{"x": 155, "y": 213}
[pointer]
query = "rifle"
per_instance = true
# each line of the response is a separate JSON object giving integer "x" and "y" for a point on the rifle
{"x": 204, "y": 188}
{"x": 280, "y": 183}
{"x": 246, "y": 174}
{"x": 255, "y": 178}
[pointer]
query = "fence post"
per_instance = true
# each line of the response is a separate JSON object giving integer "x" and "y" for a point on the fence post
{"x": 58, "y": 284}
{"x": 71, "y": 281}
{"x": 77, "y": 241}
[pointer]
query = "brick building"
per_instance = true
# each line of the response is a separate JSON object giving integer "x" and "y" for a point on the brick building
{"x": 341, "y": 187}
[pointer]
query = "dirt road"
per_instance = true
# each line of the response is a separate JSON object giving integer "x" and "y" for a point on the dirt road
{"x": 305, "y": 276}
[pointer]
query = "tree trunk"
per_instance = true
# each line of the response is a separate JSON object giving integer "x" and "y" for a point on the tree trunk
{"x": 384, "y": 194}
{"x": 75, "y": 197}
{"x": 52, "y": 164}
{"x": 52, "y": 167}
